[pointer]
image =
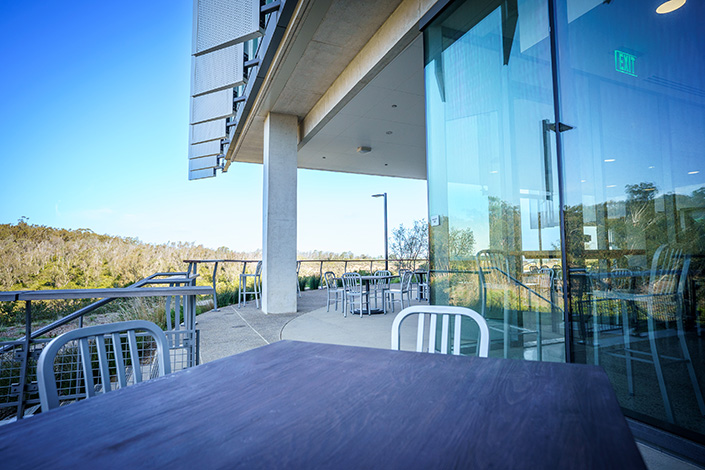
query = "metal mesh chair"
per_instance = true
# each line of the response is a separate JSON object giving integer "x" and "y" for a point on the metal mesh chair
{"x": 85, "y": 362}
{"x": 426, "y": 336}
{"x": 379, "y": 285}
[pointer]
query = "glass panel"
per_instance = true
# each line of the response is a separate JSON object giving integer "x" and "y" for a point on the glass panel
{"x": 493, "y": 200}
{"x": 633, "y": 89}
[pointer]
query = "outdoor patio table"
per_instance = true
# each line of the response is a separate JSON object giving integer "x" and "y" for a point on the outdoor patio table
{"x": 308, "y": 405}
{"x": 366, "y": 280}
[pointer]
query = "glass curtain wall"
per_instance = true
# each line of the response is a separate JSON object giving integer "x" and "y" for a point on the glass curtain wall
{"x": 632, "y": 88}
{"x": 493, "y": 200}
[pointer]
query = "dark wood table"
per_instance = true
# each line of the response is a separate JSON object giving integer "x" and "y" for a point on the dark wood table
{"x": 307, "y": 405}
{"x": 366, "y": 280}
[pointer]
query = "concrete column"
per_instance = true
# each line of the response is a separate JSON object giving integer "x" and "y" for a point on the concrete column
{"x": 279, "y": 214}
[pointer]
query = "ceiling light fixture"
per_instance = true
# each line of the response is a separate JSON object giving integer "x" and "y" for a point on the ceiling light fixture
{"x": 364, "y": 149}
{"x": 694, "y": 172}
{"x": 389, "y": 132}
{"x": 609, "y": 160}
{"x": 669, "y": 6}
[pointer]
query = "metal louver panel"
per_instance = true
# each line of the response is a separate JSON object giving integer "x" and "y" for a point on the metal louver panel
{"x": 206, "y": 131}
{"x": 220, "y": 23}
{"x": 200, "y": 174}
{"x": 204, "y": 149}
{"x": 216, "y": 105}
{"x": 203, "y": 163}
{"x": 218, "y": 69}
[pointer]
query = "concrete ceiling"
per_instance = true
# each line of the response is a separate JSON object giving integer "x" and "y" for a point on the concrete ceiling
{"x": 386, "y": 115}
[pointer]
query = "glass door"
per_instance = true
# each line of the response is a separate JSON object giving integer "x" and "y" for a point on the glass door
{"x": 493, "y": 196}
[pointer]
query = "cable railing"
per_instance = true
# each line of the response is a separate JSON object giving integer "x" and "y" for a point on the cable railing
{"x": 18, "y": 358}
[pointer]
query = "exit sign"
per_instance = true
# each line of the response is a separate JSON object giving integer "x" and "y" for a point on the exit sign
{"x": 625, "y": 63}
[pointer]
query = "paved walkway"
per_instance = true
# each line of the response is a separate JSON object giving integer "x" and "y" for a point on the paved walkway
{"x": 233, "y": 329}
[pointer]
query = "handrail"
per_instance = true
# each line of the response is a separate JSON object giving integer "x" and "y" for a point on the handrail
{"x": 189, "y": 342}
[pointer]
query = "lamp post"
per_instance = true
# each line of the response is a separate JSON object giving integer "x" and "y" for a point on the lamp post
{"x": 386, "y": 238}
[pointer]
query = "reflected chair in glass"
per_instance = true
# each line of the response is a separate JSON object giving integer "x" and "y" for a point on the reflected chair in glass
{"x": 352, "y": 283}
{"x": 662, "y": 307}
{"x": 335, "y": 292}
{"x": 380, "y": 285}
{"x": 493, "y": 273}
{"x": 86, "y": 362}
{"x": 426, "y": 336}
{"x": 256, "y": 286}
{"x": 403, "y": 291}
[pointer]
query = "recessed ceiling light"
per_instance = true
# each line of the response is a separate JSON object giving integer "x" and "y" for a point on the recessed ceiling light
{"x": 611, "y": 185}
{"x": 385, "y": 164}
{"x": 324, "y": 158}
{"x": 389, "y": 132}
{"x": 494, "y": 172}
{"x": 609, "y": 160}
{"x": 364, "y": 149}
{"x": 394, "y": 106}
{"x": 669, "y": 6}
{"x": 651, "y": 167}
{"x": 583, "y": 181}
{"x": 694, "y": 172}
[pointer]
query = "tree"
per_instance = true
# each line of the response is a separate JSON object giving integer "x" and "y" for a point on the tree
{"x": 410, "y": 244}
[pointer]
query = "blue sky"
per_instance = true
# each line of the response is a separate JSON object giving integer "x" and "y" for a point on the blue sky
{"x": 94, "y": 125}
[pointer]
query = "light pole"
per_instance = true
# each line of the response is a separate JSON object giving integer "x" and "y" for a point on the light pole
{"x": 386, "y": 238}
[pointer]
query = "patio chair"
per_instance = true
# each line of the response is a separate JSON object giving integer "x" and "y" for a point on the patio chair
{"x": 256, "y": 286}
{"x": 380, "y": 285}
{"x": 85, "y": 362}
{"x": 662, "y": 306}
{"x": 352, "y": 283}
{"x": 334, "y": 291}
{"x": 426, "y": 336}
{"x": 404, "y": 290}
{"x": 422, "y": 285}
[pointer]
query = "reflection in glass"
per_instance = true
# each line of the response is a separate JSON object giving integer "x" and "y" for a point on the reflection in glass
{"x": 632, "y": 88}
{"x": 491, "y": 172}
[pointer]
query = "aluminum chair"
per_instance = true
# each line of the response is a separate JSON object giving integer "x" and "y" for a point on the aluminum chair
{"x": 663, "y": 306}
{"x": 334, "y": 291}
{"x": 88, "y": 361}
{"x": 380, "y": 285}
{"x": 352, "y": 283}
{"x": 256, "y": 286}
{"x": 426, "y": 336}
{"x": 403, "y": 291}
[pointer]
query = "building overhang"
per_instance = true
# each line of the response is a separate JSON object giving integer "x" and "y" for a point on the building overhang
{"x": 352, "y": 73}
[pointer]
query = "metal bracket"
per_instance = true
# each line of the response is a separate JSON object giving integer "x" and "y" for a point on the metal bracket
{"x": 251, "y": 63}
{"x": 561, "y": 127}
{"x": 270, "y": 7}
{"x": 28, "y": 388}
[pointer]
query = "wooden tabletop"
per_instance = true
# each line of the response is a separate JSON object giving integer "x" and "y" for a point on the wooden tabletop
{"x": 307, "y": 405}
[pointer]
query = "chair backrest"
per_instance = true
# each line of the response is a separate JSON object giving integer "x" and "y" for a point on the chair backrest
{"x": 84, "y": 362}
{"x": 669, "y": 270}
{"x": 258, "y": 269}
{"x": 331, "y": 280}
{"x": 382, "y": 274}
{"x": 352, "y": 282}
{"x": 621, "y": 279}
{"x": 445, "y": 312}
{"x": 545, "y": 276}
{"x": 406, "y": 277}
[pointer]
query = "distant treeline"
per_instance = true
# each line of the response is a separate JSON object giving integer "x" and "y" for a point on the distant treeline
{"x": 36, "y": 257}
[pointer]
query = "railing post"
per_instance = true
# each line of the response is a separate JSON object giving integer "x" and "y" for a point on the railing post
{"x": 215, "y": 295}
{"x": 320, "y": 274}
{"x": 25, "y": 359}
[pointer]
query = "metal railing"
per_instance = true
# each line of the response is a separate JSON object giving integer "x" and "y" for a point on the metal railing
{"x": 193, "y": 266}
{"x": 18, "y": 386}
